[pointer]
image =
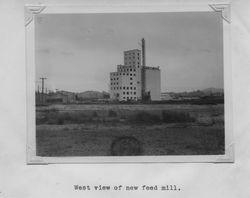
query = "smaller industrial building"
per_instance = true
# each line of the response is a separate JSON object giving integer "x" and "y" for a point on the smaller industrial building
{"x": 135, "y": 81}
{"x": 59, "y": 97}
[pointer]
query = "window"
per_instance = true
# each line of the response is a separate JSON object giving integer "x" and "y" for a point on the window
{"x": 134, "y": 74}
{"x": 131, "y": 74}
{"x": 131, "y": 78}
{"x": 124, "y": 87}
{"x": 134, "y": 70}
{"x": 134, "y": 88}
{"x": 117, "y": 78}
{"x": 130, "y": 69}
{"x": 131, "y": 83}
{"x": 128, "y": 93}
{"x": 123, "y": 74}
{"x": 127, "y": 87}
{"x": 127, "y": 74}
{"x": 124, "y": 92}
{"x": 134, "y": 93}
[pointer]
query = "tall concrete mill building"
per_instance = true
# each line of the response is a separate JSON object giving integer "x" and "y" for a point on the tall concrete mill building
{"x": 134, "y": 80}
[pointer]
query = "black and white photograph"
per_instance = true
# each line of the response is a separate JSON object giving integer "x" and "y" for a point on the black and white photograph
{"x": 129, "y": 84}
{"x": 134, "y": 98}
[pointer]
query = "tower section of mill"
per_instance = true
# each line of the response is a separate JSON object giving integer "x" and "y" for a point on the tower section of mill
{"x": 134, "y": 80}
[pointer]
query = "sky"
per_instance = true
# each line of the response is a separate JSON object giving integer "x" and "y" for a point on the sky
{"x": 76, "y": 52}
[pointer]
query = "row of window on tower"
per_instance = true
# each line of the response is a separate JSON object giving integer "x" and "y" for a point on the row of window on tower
{"x": 131, "y": 58}
{"x": 129, "y": 98}
{"x": 113, "y": 79}
{"x": 131, "y": 83}
{"x": 127, "y": 70}
{"x": 124, "y": 93}
{"x": 123, "y": 88}
{"x": 129, "y": 63}
{"x": 123, "y": 74}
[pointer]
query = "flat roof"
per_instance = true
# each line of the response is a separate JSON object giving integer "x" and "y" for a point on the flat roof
{"x": 131, "y": 50}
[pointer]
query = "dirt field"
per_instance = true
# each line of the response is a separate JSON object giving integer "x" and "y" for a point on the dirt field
{"x": 102, "y": 130}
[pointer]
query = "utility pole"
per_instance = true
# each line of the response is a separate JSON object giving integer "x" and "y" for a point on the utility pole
{"x": 143, "y": 69}
{"x": 43, "y": 88}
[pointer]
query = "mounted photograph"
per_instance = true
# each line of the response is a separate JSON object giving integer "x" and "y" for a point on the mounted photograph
{"x": 128, "y": 86}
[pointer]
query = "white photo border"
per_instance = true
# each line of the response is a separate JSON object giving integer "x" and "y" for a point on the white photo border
{"x": 32, "y": 10}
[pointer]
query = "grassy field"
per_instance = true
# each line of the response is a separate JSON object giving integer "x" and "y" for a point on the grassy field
{"x": 104, "y": 130}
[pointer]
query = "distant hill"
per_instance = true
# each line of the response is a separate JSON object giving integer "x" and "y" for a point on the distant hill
{"x": 93, "y": 95}
{"x": 197, "y": 93}
{"x": 212, "y": 90}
